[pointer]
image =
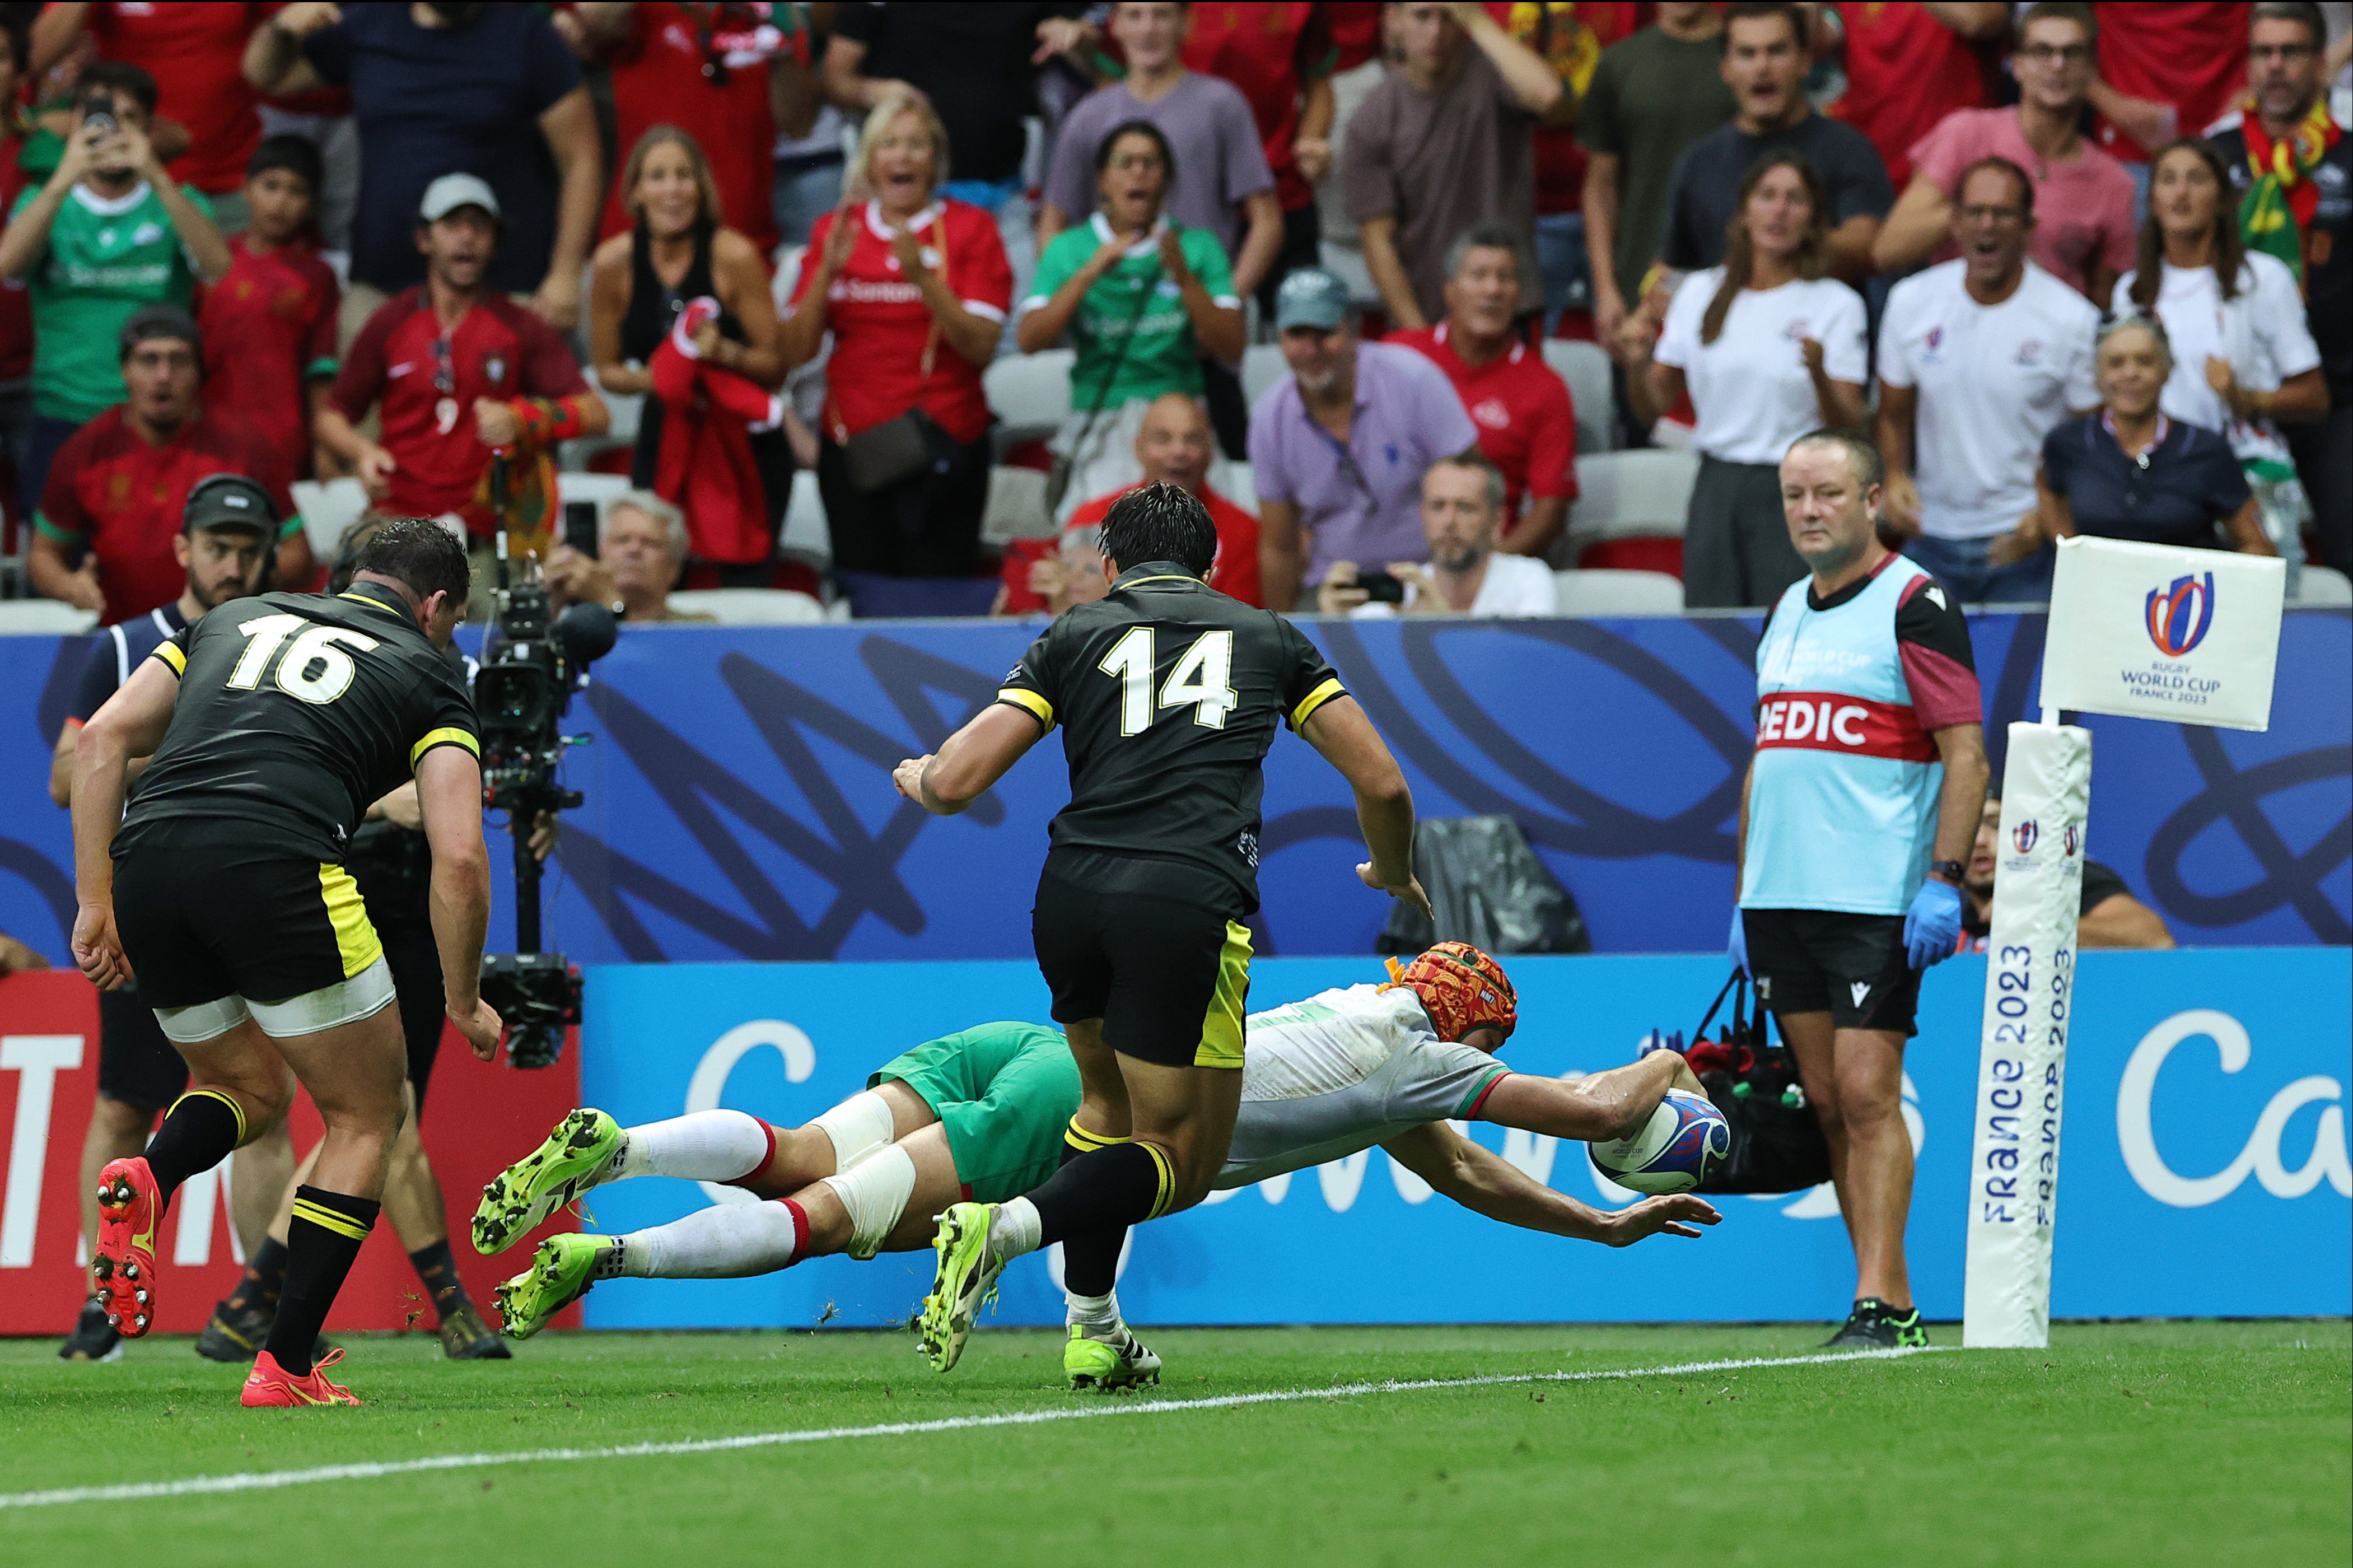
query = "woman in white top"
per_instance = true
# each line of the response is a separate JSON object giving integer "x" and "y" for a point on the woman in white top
{"x": 2244, "y": 360}
{"x": 1769, "y": 349}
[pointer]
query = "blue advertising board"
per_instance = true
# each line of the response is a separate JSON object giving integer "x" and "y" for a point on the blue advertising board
{"x": 739, "y": 802}
{"x": 2204, "y": 1168}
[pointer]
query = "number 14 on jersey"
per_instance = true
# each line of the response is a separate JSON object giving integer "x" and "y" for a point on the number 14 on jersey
{"x": 1202, "y": 679}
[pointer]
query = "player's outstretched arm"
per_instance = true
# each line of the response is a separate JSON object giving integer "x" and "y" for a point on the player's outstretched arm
{"x": 131, "y": 724}
{"x": 970, "y": 760}
{"x": 1486, "y": 1184}
{"x": 1593, "y": 1109}
{"x": 1346, "y": 740}
{"x": 449, "y": 794}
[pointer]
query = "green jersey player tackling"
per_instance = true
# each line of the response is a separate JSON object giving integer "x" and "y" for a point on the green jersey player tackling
{"x": 978, "y": 1116}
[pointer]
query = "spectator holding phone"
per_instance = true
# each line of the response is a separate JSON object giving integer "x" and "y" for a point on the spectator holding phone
{"x": 68, "y": 241}
{"x": 1769, "y": 347}
{"x": 1461, "y": 517}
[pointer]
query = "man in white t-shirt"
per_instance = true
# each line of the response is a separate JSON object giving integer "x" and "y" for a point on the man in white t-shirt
{"x": 1462, "y": 512}
{"x": 1979, "y": 359}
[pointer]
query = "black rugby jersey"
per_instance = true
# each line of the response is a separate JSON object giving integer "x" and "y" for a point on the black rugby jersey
{"x": 1168, "y": 694}
{"x": 296, "y": 713}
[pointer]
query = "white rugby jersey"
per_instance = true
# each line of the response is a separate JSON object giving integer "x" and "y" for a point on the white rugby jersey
{"x": 1344, "y": 1071}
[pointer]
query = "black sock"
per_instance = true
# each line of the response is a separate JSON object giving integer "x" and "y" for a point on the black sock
{"x": 202, "y": 1128}
{"x": 324, "y": 1238}
{"x": 264, "y": 1279}
{"x": 438, "y": 1271}
{"x": 1101, "y": 1189}
{"x": 1090, "y": 1262}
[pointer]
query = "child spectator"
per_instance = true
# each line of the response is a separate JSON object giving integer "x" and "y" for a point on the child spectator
{"x": 270, "y": 325}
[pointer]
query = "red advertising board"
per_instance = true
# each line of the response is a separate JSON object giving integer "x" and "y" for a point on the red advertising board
{"x": 478, "y": 1117}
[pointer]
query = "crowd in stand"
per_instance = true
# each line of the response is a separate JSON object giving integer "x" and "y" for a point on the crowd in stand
{"x": 2076, "y": 268}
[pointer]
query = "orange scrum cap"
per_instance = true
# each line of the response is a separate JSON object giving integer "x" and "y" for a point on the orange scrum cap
{"x": 1461, "y": 988}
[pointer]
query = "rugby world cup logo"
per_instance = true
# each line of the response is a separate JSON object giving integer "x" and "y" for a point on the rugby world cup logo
{"x": 2023, "y": 835}
{"x": 2178, "y": 615}
{"x": 2069, "y": 840}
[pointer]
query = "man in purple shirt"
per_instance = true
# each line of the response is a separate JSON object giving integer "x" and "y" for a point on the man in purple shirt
{"x": 1338, "y": 451}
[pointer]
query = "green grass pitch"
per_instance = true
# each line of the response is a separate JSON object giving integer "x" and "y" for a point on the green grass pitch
{"x": 2202, "y": 1444}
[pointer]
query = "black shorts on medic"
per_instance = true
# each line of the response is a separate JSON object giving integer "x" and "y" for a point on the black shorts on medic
{"x": 1850, "y": 966}
{"x": 136, "y": 1065}
{"x": 205, "y": 914}
{"x": 1168, "y": 977}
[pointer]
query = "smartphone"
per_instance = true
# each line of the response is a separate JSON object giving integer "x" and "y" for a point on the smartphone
{"x": 97, "y": 113}
{"x": 1381, "y": 588}
{"x": 580, "y": 526}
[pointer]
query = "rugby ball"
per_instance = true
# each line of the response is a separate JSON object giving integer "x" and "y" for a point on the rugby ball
{"x": 1684, "y": 1141}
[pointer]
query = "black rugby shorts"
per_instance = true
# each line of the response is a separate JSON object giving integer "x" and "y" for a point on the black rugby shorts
{"x": 1850, "y": 966}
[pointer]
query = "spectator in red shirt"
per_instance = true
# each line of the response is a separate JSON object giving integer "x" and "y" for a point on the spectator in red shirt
{"x": 1281, "y": 58}
{"x": 1907, "y": 67}
{"x": 914, "y": 288}
{"x": 270, "y": 324}
{"x": 712, "y": 68}
{"x": 1175, "y": 447}
{"x": 2165, "y": 71}
{"x": 1528, "y": 426}
{"x": 116, "y": 493}
{"x": 196, "y": 53}
{"x": 455, "y": 369}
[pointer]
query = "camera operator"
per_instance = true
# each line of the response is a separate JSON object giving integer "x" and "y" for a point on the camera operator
{"x": 391, "y": 862}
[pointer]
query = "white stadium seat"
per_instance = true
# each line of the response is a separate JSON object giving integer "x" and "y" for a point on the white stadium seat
{"x": 804, "y": 536}
{"x": 1610, "y": 593}
{"x": 1263, "y": 367}
{"x": 602, "y": 489}
{"x": 327, "y": 510}
{"x": 1640, "y": 494}
{"x": 1017, "y": 507}
{"x": 1587, "y": 370}
{"x": 1030, "y": 392}
{"x": 43, "y": 618}
{"x": 2324, "y": 585}
{"x": 751, "y": 606}
{"x": 1237, "y": 484}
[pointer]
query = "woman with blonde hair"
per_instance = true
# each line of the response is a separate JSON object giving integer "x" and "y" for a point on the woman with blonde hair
{"x": 914, "y": 287}
{"x": 679, "y": 250}
{"x": 1769, "y": 349}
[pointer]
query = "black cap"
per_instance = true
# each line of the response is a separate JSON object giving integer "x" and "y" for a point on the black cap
{"x": 159, "y": 322}
{"x": 229, "y": 501}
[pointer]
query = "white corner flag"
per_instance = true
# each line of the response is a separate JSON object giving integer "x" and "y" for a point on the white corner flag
{"x": 2147, "y": 631}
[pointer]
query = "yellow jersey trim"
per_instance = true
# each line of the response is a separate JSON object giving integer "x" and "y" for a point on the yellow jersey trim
{"x": 170, "y": 654}
{"x": 1316, "y": 698}
{"x": 1161, "y": 577}
{"x": 1029, "y": 702}
{"x": 445, "y": 736}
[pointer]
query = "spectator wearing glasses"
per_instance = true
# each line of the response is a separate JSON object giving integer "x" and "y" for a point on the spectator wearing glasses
{"x": 2131, "y": 471}
{"x": 115, "y": 497}
{"x": 1979, "y": 359}
{"x": 1769, "y": 349}
{"x": 1444, "y": 142}
{"x": 109, "y": 233}
{"x": 914, "y": 288}
{"x": 1338, "y": 447}
{"x": 1461, "y": 517}
{"x": 2284, "y": 148}
{"x": 1143, "y": 300}
{"x": 1527, "y": 423}
{"x": 2083, "y": 233}
{"x": 454, "y": 368}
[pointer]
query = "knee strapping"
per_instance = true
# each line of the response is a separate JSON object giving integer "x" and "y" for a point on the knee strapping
{"x": 858, "y": 1128}
{"x": 875, "y": 1192}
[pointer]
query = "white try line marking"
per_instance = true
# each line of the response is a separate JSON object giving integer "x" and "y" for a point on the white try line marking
{"x": 262, "y": 1480}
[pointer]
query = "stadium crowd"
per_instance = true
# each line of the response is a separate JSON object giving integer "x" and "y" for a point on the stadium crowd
{"x": 887, "y": 304}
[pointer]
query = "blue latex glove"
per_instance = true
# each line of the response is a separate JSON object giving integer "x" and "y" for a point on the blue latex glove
{"x": 1933, "y": 927}
{"x": 1740, "y": 947}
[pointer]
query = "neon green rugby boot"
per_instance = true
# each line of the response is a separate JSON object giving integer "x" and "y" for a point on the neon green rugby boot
{"x": 965, "y": 1282}
{"x": 1108, "y": 1366}
{"x": 577, "y": 1156}
{"x": 562, "y": 1272}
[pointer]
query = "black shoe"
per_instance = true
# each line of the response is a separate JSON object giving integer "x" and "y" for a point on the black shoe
{"x": 465, "y": 1337}
{"x": 92, "y": 1339}
{"x": 1867, "y": 1328}
{"x": 235, "y": 1334}
{"x": 1909, "y": 1331}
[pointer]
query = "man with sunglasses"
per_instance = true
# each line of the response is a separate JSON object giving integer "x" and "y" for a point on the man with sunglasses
{"x": 455, "y": 369}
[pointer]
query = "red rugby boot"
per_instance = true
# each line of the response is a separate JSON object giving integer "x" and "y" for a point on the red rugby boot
{"x": 268, "y": 1385}
{"x": 123, "y": 1275}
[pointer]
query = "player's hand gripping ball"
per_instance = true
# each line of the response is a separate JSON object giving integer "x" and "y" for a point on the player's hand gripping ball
{"x": 1679, "y": 1147}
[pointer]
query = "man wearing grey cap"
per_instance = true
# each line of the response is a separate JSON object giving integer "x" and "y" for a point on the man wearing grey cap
{"x": 1337, "y": 451}
{"x": 455, "y": 369}
{"x": 111, "y": 510}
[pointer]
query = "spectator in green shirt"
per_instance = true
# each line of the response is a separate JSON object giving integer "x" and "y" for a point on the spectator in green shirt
{"x": 108, "y": 234}
{"x": 1140, "y": 299}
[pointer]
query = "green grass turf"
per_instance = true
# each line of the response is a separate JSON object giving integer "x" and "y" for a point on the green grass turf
{"x": 2142, "y": 1444}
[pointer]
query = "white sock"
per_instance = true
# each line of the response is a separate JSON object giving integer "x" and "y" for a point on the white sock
{"x": 725, "y": 1241}
{"x": 1099, "y": 1315}
{"x": 1017, "y": 1229}
{"x": 705, "y": 1146}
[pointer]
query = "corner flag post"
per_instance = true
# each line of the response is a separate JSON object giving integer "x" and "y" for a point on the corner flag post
{"x": 2145, "y": 631}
